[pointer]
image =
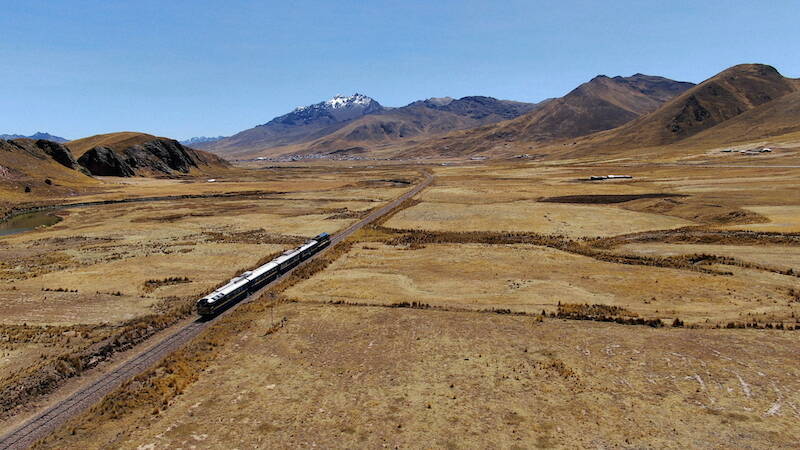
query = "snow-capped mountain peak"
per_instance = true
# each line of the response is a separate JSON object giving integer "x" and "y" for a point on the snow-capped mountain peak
{"x": 201, "y": 140}
{"x": 341, "y": 101}
{"x": 338, "y": 109}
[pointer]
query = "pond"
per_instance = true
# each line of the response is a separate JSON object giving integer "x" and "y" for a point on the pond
{"x": 29, "y": 221}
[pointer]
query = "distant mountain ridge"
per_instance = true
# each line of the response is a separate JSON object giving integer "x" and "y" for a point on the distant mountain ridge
{"x": 37, "y": 135}
{"x": 302, "y": 124}
{"x": 417, "y": 121}
{"x": 338, "y": 109}
{"x": 348, "y": 123}
{"x": 719, "y": 107}
{"x": 476, "y": 107}
{"x": 602, "y": 103}
{"x": 200, "y": 140}
{"x": 603, "y": 116}
{"x": 599, "y": 104}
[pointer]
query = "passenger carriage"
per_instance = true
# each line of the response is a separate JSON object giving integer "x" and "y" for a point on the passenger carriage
{"x": 245, "y": 284}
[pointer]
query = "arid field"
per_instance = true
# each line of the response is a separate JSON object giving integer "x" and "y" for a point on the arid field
{"x": 509, "y": 305}
{"x": 341, "y": 376}
{"x": 399, "y": 225}
{"x": 533, "y": 279}
{"x": 109, "y": 276}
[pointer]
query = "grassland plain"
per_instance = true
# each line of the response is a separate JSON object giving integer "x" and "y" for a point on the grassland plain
{"x": 407, "y": 335}
{"x": 346, "y": 376}
{"x": 532, "y": 278}
{"x": 108, "y": 276}
{"x": 781, "y": 257}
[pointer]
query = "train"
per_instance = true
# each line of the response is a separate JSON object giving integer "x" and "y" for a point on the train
{"x": 245, "y": 284}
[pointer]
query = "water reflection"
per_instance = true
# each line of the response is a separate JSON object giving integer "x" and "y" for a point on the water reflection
{"x": 25, "y": 222}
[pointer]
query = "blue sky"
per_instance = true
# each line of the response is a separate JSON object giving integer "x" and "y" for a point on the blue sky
{"x": 186, "y": 68}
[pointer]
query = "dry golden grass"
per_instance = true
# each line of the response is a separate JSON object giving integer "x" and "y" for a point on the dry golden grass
{"x": 19, "y": 170}
{"x": 113, "y": 140}
{"x": 782, "y": 219}
{"x": 546, "y": 218}
{"x": 351, "y": 375}
{"x": 96, "y": 267}
{"x": 532, "y": 279}
{"x": 507, "y": 197}
{"x": 782, "y": 257}
{"x": 345, "y": 377}
{"x": 107, "y": 253}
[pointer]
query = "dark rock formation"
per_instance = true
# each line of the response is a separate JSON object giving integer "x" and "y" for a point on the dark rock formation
{"x": 159, "y": 156}
{"x": 43, "y": 149}
{"x": 103, "y": 161}
{"x": 59, "y": 153}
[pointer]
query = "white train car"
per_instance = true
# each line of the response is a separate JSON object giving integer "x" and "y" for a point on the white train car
{"x": 245, "y": 284}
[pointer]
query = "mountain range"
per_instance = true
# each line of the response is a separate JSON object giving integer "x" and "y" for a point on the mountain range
{"x": 37, "y": 135}
{"x": 600, "y": 104}
{"x": 743, "y": 103}
{"x": 351, "y": 124}
{"x": 200, "y": 139}
{"x": 359, "y": 125}
{"x": 605, "y": 116}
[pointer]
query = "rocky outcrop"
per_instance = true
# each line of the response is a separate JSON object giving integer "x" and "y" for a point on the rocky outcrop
{"x": 156, "y": 157}
{"x": 42, "y": 149}
{"x": 59, "y": 153}
{"x": 103, "y": 161}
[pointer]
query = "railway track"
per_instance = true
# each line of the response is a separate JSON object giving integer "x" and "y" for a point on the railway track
{"x": 52, "y": 417}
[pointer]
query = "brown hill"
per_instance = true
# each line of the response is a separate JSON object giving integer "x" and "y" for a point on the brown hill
{"x": 43, "y": 167}
{"x": 600, "y": 104}
{"x": 115, "y": 141}
{"x": 129, "y": 153}
{"x": 713, "y": 102}
{"x": 776, "y": 118}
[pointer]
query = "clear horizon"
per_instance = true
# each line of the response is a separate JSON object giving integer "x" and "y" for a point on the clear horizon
{"x": 187, "y": 69}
